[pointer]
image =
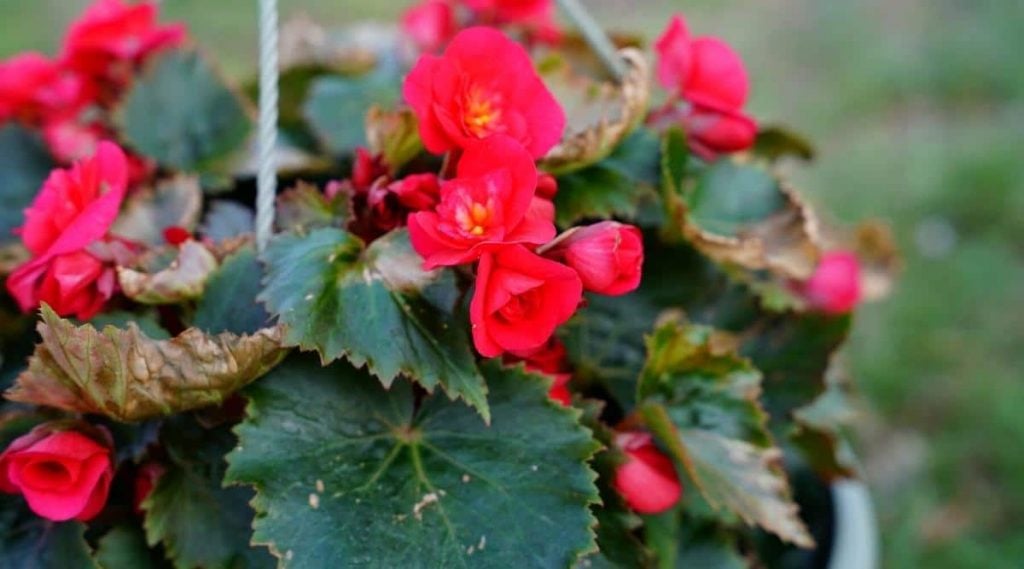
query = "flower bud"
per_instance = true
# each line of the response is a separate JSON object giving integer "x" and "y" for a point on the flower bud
{"x": 834, "y": 287}
{"x": 647, "y": 480}
{"x": 608, "y": 256}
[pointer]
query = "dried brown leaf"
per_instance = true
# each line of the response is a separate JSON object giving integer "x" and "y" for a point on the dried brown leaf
{"x": 601, "y": 113}
{"x": 125, "y": 375}
{"x": 184, "y": 279}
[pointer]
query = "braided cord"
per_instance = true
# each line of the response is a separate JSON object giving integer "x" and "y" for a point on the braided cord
{"x": 266, "y": 178}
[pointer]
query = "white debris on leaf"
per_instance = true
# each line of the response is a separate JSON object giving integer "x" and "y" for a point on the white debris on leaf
{"x": 314, "y": 501}
{"x": 428, "y": 499}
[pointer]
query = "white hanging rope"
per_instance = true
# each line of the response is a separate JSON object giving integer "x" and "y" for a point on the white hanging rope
{"x": 266, "y": 178}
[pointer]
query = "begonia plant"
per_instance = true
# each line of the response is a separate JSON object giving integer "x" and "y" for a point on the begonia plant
{"x": 523, "y": 306}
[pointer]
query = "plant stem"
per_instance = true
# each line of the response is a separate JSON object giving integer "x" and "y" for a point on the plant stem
{"x": 594, "y": 35}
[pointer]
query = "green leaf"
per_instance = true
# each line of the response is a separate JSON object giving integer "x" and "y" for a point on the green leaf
{"x": 701, "y": 402}
{"x": 181, "y": 113}
{"x": 337, "y": 106}
{"x": 605, "y": 338}
{"x": 704, "y": 545}
{"x": 741, "y": 215}
{"x": 375, "y": 307}
{"x": 728, "y": 196}
{"x": 227, "y": 219}
{"x": 24, "y": 165}
{"x": 229, "y": 303}
{"x": 349, "y": 474}
{"x": 793, "y": 351}
{"x": 201, "y": 523}
{"x": 305, "y": 207}
{"x": 30, "y": 542}
{"x": 615, "y": 186}
{"x": 124, "y": 547}
{"x": 775, "y": 142}
{"x": 125, "y": 375}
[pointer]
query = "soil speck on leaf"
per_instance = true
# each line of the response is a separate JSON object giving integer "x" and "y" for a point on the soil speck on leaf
{"x": 465, "y": 479}
{"x": 320, "y": 486}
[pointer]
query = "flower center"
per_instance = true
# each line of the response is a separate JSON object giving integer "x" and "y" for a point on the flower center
{"x": 474, "y": 218}
{"x": 482, "y": 113}
{"x": 519, "y": 306}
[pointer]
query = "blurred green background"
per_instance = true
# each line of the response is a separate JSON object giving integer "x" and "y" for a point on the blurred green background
{"x": 917, "y": 108}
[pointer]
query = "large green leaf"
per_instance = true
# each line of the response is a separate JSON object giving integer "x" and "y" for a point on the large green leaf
{"x": 349, "y": 474}
{"x": 24, "y": 165}
{"x": 200, "y": 523}
{"x": 229, "y": 303}
{"x": 337, "y": 105}
{"x": 375, "y": 307}
{"x": 701, "y": 401}
{"x": 614, "y": 187}
{"x": 181, "y": 113}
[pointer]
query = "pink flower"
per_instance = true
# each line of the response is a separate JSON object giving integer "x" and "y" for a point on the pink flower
{"x": 484, "y": 84}
{"x": 647, "y": 480}
{"x": 62, "y": 474}
{"x": 835, "y": 286}
{"x": 430, "y": 24}
{"x": 708, "y": 75}
{"x": 608, "y": 256}
{"x": 490, "y": 202}
{"x": 550, "y": 360}
{"x": 34, "y": 89}
{"x": 72, "y": 213}
{"x": 520, "y": 299}
{"x": 112, "y": 38}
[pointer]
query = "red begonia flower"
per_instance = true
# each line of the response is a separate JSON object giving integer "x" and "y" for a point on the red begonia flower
{"x": 63, "y": 475}
{"x": 73, "y": 211}
{"x": 709, "y": 76}
{"x": 483, "y": 84}
{"x": 490, "y": 202}
{"x": 146, "y": 478}
{"x": 520, "y": 299}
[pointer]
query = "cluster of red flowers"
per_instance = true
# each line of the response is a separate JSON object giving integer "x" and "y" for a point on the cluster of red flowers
{"x": 67, "y": 98}
{"x": 431, "y": 24}
{"x": 483, "y": 102}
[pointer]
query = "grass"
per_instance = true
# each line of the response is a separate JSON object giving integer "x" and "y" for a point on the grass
{"x": 919, "y": 111}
